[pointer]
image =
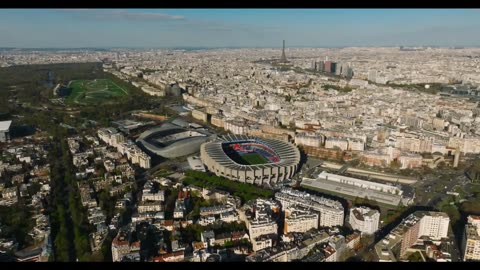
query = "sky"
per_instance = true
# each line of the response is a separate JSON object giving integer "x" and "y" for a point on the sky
{"x": 177, "y": 28}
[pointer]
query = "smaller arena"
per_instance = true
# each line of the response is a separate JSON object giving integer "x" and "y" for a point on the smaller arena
{"x": 172, "y": 141}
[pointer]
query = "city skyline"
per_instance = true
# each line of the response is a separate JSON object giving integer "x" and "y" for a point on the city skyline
{"x": 195, "y": 135}
{"x": 236, "y": 28}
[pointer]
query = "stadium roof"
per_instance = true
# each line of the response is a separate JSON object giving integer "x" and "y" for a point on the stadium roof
{"x": 5, "y": 125}
{"x": 175, "y": 147}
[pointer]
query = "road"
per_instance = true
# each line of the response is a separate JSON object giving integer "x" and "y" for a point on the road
{"x": 426, "y": 191}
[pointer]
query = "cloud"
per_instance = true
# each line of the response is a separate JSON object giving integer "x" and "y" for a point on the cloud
{"x": 119, "y": 14}
{"x": 234, "y": 28}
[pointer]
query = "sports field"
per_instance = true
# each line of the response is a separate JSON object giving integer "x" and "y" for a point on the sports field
{"x": 94, "y": 91}
{"x": 250, "y": 159}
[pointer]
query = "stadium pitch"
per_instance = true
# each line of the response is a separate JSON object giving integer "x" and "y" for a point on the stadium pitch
{"x": 249, "y": 159}
{"x": 94, "y": 91}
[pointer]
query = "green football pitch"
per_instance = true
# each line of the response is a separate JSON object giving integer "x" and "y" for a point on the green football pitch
{"x": 252, "y": 159}
{"x": 94, "y": 91}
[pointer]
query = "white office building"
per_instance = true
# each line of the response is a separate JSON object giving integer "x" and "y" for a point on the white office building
{"x": 364, "y": 219}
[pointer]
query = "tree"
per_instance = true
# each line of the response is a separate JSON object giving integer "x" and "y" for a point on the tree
{"x": 441, "y": 165}
{"x": 395, "y": 164}
{"x": 366, "y": 240}
{"x": 415, "y": 257}
{"x": 346, "y": 254}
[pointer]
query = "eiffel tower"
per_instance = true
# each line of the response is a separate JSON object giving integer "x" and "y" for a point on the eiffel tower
{"x": 284, "y": 58}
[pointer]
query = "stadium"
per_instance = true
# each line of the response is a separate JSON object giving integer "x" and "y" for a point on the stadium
{"x": 251, "y": 160}
{"x": 172, "y": 141}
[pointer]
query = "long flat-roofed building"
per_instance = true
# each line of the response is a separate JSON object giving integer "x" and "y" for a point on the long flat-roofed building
{"x": 353, "y": 187}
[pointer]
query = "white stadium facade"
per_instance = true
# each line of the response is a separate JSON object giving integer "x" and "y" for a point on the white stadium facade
{"x": 281, "y": 159}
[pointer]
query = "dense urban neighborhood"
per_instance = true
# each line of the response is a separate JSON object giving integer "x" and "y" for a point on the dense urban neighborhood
{"x": 247, "y": 155}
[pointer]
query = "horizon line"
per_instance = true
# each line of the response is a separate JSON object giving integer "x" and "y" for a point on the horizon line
{"x": 242, "y": 47}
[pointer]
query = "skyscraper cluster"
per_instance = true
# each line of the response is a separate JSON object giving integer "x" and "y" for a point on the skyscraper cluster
{"x": 339, "y": 69}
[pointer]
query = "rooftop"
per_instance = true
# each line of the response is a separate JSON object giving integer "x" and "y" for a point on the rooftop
{"x": 5, "y": 125}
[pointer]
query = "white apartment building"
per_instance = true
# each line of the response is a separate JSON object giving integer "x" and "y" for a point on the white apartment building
{"x": 261, "y": 242}
{"x": 113, "y": 138}
{"x": 236, "y": 127}
{"x": 434, "y": 225}
{"x": 157, "y": 196}
{"x": 217, "y": 121}
{"x": 356, "y": 145}
{"x": 364, "y": 219}
{"x": 299, "y": 219}
{"x": 330, "y": 211}
{"x": 199, "y": 115}
{"x": 144, "y": 160}
{"x": 206, "y": 220}
{"x": 229, "y": 217}
{"x": 152, "y": 91}
{"x": 155, "y": 206}
{"x": 309, "y": 139}
{"x": 471, "y": 239}
{"x": 259, "y": 227}
{"x": 331, "y": 143}
{"x": 397, "y": 243}
{"x": 119, "y": 249}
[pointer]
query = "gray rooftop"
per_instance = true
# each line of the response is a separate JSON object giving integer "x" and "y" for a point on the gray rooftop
{"x": 5, "y": 125}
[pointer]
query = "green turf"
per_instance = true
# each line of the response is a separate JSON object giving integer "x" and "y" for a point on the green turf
{"x": 253, "y": 159}
{"x": 94, "y": 91}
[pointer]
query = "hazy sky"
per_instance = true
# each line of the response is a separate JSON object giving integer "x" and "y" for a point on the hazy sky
{"x": 238, "y": 27}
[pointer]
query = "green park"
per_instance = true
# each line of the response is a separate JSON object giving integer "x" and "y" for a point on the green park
{"x": 94, "y": 91}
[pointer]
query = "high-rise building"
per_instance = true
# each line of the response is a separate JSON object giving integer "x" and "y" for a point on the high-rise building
{"x": 284, "y": 57}
{"x": 364, "y": 219}
{"x": 321, "y": 66}
{"x": 395, "y": 246}
{"x": 328, "y": 66}
{"x": 345, "y": 70}
{"x": 349, "y": 73}
{"x": 333, "y": 67}
{"x": 456, "y": 158}
{"x": 471, "y": 239}
{"x": 339, "y": 68}
{"x": 434, "y": 225}
{"x": 372, "y": 75}
{"x": 144, "y": 160}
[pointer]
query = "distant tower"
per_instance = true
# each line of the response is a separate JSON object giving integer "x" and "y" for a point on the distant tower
{"x": 381, "y": 135}
{"x": 456, "y": 158}
{"x": 284, "y": 58}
